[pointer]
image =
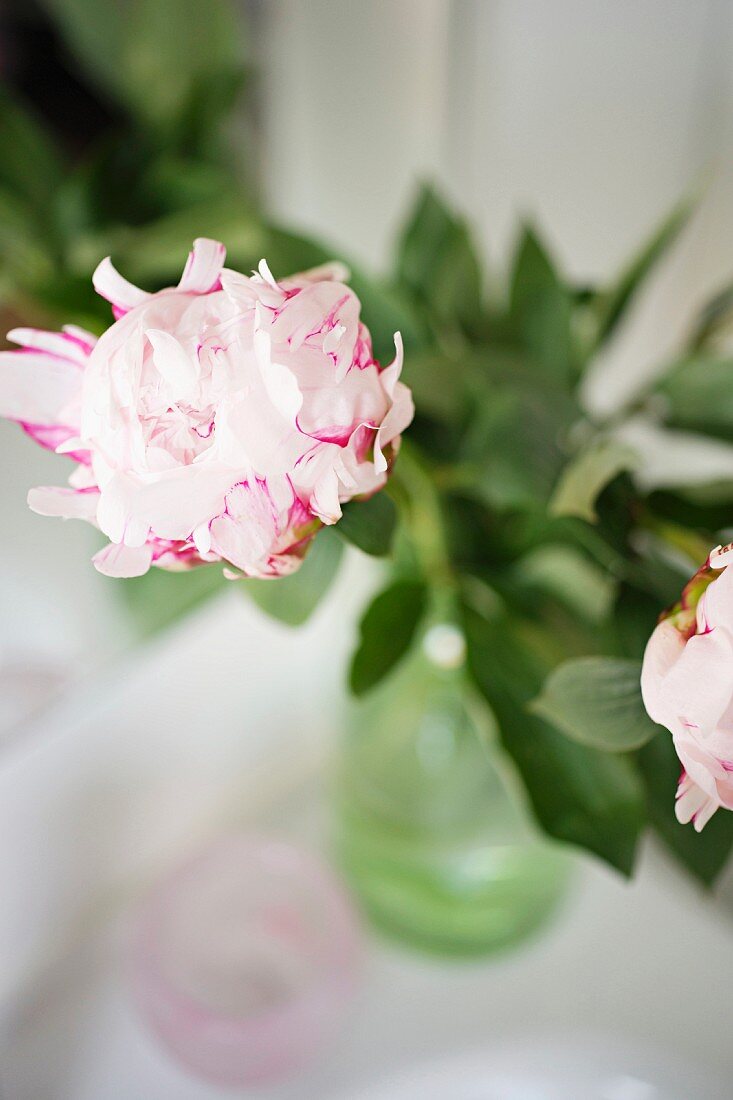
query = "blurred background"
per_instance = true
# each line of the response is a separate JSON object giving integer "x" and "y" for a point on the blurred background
{"x": 292, "y": 130}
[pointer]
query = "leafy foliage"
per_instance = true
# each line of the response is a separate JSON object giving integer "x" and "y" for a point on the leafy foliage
{"x": 586, "y": 475}
{"x": 369, "y": 524}
{"x": 293, "y": 599}
{"x": 386, "y": 632}
{"x": 540, "y": 308}
{"x": 438, "y": 263}
{"x": 578, "y": 793}
{"x": 597, "y": 701}
{"x": 705, "y": 854}
{"x": 159, "y": 598}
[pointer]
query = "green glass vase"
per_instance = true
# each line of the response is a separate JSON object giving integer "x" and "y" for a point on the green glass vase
{"x": 430, "y": 832}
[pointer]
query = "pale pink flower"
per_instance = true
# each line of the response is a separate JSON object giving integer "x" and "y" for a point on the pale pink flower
{"x": 687, "y": 686}
{"x": 225, "y": 419}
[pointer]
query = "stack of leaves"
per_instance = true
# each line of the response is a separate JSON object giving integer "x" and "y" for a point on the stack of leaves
{"x": 516, "y": 514}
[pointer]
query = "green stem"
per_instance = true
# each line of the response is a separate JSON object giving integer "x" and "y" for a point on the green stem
{"x": 425, "y": 512}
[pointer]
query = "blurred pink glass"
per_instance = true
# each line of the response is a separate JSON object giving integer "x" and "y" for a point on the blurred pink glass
{"x": 245, "y": 958}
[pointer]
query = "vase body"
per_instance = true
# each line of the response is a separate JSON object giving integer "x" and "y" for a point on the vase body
{"x": 438, "y": 848}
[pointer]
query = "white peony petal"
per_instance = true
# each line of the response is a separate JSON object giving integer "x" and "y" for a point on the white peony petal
{"x": 266, "y": 275}
{"x": 61, "y": 344}
{"x": 332, "y": 271}
{"x": 390, "y": 374}
{"x": 397, "y": 419}
{"x": 247, "y": 534}
{"x": 70, "y": 445}
{"x": 202, "y": 538}
{"x": 203, "y": 267}
{"x": 179, "y": 370}
{"x": 325, "y": 499}
{"x": 85, "y": 339}
{"x": 280, "y": 382}
{"x": 663, "y": 650}
{"x": 693, "y": 804}
{"x": 246, "y": 291}
{"x": 109, "y": 284}
{"x": 52, "y": 500}
{"x": 82, "y": 477}
{"x": 36, "y": 387}
{"x": 116, "y": 560}
{"x": 698, "y": 688}
{"x": 332, "y": 339}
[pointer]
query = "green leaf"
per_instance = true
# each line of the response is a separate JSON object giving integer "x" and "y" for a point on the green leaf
{"x": 174, "y": 63}
{"x": 634, "y": 616}
{"x": 612, "y": 305}
{"x": 25, "y": 262}
{"x": 698, "y": 395}
{"x": 30, "y": 165}
{"x": 169, "y": 47}
{"x": 93, "y": 32}
{"x": 579, "y": 794}
{"x": 161, "y": 597}
{"x": 439, "y": 264}
{"x": 540, "y": 308}
{"x": 704, "y": 854}
{"x": 386, "y": 632}
{"x": 369, "y": 524}
{"x": 571, "y": 577}
{"x": 715, "y": 316}
{"x": 513, "y": 444}
{"x": 587, "y": 475}
{"x": 385, "y": 310}
{"x": 597, "y": 701}
{"x": 293, "y": 599}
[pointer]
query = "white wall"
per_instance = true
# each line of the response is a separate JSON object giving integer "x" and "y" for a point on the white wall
{"x": 592, "y": 115}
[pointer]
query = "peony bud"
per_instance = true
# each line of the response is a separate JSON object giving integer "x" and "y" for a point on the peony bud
{"x": 687, "y": 686}
{"x": 223, "y": 420}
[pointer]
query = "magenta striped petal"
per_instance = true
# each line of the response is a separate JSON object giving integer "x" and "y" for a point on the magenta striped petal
{"x": 35, "y": 387}
{"x": 84, "y": 339}
{"x": 109, "y": 284}
{"x": 203, "y": 267}
{"x": 61, "y": 344}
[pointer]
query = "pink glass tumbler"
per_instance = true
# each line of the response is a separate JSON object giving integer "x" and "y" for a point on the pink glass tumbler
{"x": 244, "y": 959}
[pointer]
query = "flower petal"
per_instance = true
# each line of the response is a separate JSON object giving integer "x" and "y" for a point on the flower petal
{"x": 61, "y": 344}
{"x": 280, "y": 382}
{"x": 178, "y": 369}
{"x": 203, "y": 267}
{"x": 117, "y": 560}
{"x": 52, "y": 500}
{"x": 109, "y": 284}
{"x": 36, "y": 387}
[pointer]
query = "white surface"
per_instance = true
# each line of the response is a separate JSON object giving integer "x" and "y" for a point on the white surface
{"x": 552, "y": 1065}
{"x": 136, "y": 768}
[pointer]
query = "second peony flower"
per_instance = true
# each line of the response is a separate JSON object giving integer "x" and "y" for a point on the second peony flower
{"x": 687, "y": 686}
{"x": 223, "y": 420}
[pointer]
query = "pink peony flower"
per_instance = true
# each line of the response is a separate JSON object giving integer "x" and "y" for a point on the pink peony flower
{"x": 687, "y": 686}
{"x": 225, "y": 419}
